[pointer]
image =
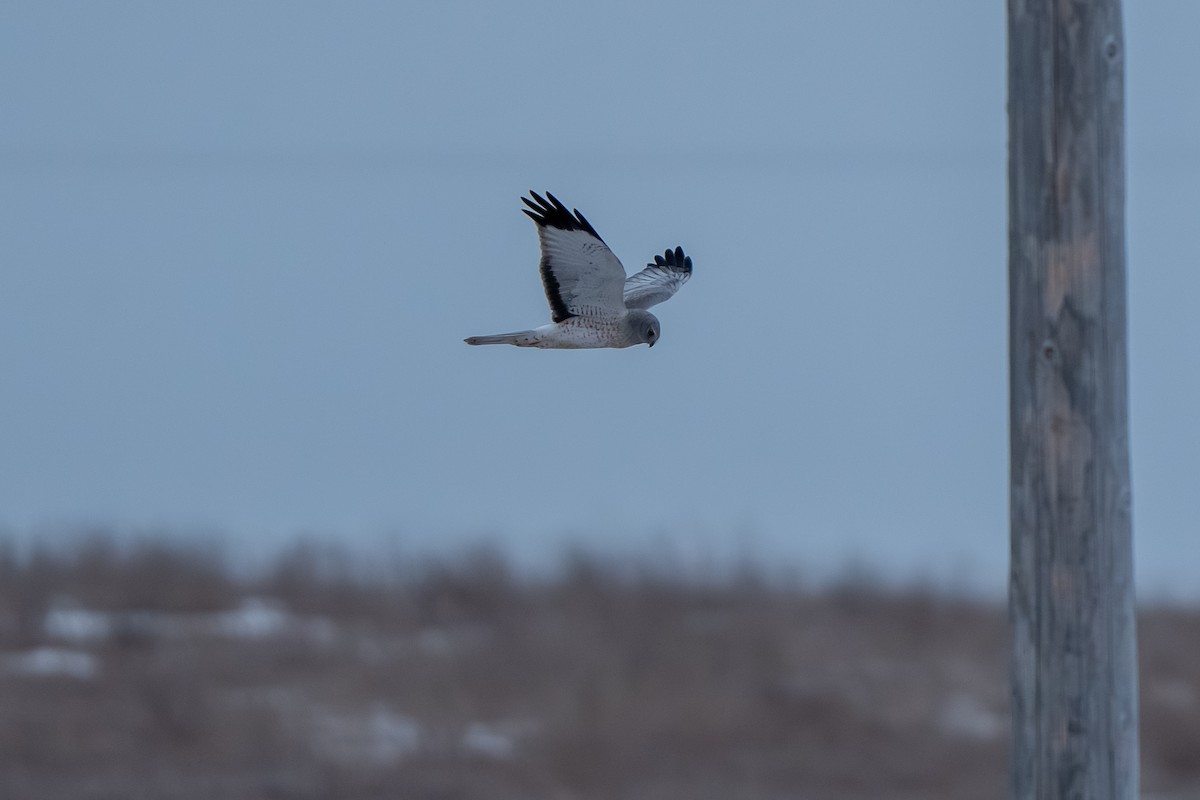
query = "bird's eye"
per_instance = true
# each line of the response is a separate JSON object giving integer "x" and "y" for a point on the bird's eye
{"x": 650, "y": 333}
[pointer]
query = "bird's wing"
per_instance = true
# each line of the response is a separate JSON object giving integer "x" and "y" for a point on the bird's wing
{"x": 581, "y": 275}
{"x": 658, "y": 281}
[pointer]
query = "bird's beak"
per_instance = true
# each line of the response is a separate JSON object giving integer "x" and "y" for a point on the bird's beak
{"x": 651, "y": 343}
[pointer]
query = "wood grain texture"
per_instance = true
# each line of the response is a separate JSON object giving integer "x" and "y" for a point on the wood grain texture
{"x": 1071, "y": 585}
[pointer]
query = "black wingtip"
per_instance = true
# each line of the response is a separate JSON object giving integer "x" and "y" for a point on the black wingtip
{"x": 550, "y": 212}
{"x": 674, "y": 260}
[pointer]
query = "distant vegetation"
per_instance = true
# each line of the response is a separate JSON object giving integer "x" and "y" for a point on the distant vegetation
{"x": 155, "y": 671}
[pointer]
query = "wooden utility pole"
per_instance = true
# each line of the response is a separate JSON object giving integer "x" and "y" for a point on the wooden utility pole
{"x": 1071, "y": 586}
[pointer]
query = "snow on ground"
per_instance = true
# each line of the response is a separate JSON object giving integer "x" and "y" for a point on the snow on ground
{"x": 965, "y": 715}
{"x": 68, "y": 623}
{"x": 430, "y": 642}
{"x": 49, "y": 662}
{"x": 379, "y": 737}
{"x": 254, "y": 618}
{"x": 263, "y": 618}
{"x": 496, "y": 740}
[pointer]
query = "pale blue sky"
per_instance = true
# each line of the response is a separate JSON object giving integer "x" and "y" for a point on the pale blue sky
{"x": 240, "y": 244}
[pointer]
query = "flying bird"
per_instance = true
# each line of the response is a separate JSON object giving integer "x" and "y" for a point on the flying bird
{"x": 592, "y": 303}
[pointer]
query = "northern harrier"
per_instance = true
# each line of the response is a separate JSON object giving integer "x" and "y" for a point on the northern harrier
{"x": 592, "y": 303}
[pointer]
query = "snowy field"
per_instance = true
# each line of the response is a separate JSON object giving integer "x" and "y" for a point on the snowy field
{"x": 153, "y": 672}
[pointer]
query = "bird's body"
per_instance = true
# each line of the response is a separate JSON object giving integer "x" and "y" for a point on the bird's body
{"x": 575, "y": 333}
{"x": 591, "y": 301}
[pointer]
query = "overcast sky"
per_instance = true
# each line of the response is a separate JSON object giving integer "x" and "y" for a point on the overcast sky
{"x": 241, "y": 243}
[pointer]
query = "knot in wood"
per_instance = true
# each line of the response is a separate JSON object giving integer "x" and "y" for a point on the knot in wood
{"x": 1111, "y": 48}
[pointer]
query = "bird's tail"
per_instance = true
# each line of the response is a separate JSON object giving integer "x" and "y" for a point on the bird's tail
{"x": 520, "y": 339}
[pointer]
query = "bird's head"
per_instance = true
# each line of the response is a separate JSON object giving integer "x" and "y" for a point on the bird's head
{"x": 645, "y": 326}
